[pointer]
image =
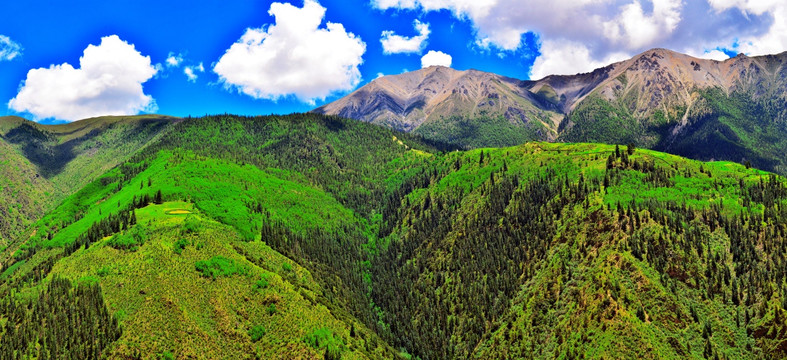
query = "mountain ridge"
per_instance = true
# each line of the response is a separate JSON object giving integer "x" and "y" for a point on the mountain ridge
{"x": 658, "y": 99}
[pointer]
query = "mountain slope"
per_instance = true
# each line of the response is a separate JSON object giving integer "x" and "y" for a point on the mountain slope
{"x": 704, "y": 109}
{"x": 24, "y": 193}
{"x": 47, "y": 163}
{"x": 367, "y": 240}
{"x": 89, "y": 238}
{"x": 439, "y": 102}
{"x": 72, "y": 155}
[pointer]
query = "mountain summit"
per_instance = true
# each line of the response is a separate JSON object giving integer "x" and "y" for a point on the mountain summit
{"x": 660, "y": 99}
{"x": 431, "y": 100}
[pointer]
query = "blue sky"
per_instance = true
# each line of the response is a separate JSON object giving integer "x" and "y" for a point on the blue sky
{"x": 263, "y": 57}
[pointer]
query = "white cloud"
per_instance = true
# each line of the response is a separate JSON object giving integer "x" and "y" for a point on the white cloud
{"x": 756, "y": 7}
{"x": 294, "y": 56}
{"x": 436, "y": 58}
{"x": 108, "y": 82}
{"x": 191, "y": 71}
{"x": 635, "y": 29}
{"x": 396, "y": 44}
{"x": 595, "y": 31}
{"x": 714, "y": 54}
{"x": 772, "y": 41}
{"x": 174, "y": 60}
{"x": 8, "y": 48}
{"x": 568, "y": 58}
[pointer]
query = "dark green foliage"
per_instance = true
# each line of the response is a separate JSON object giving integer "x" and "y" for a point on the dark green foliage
{"x": 191, "y": 225}
{"x": 262, "y": 283}
{"x": 180, "y": 245}
{"x": 323, "y": 338}
{"x": 597, "y": 120}
{"x": 351, "y": 156}
{"x": 482, "y": 131}
{"x": 65, "y": 322}
{"x": 129, "y": 240}
{"x": 219, "y": 266}
{"x": 257, "y": 332}
{"x": 537, "y": 251}
{"x": 113, "y": 224}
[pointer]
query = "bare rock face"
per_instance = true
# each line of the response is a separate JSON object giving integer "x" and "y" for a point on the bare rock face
{"x": 651, "y": 99}
{"x": 407, "y": 101}
{"x": 662, "y": 78}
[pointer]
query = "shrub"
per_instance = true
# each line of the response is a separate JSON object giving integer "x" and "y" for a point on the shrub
{"x": 256, "y": 333}
{"x": 262, "y": 283}
{"x": 180, "y": 245}
{"x": 129, "y": 240}
{"x": 323, "y": 338}
{"x": 286, "y": 267}
{"x": 191, "y": 225}
{"x": 219, "y": 266}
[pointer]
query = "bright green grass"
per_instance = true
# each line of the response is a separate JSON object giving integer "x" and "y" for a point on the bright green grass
{"x": 219, "y": 189}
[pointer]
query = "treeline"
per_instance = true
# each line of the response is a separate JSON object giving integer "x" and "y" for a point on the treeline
{"x": 440, "y": 308}
{"x": 64, "y": 322}
{"x": 112, "y": 223}
{"x": 347, "y": 158}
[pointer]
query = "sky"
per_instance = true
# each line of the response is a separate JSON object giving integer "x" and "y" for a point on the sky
{"x": 69, "y": 60}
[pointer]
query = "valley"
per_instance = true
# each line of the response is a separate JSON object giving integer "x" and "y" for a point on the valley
{"x": 312, "y": 236}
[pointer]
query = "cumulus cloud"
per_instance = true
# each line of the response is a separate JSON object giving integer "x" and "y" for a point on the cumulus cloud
{"x": 9, "y": 49}
{"x": 436, "y": 58}
{"x": 174, "y": 60}
{"x": 634, "y": 28}
{"x": 191, "y": 71}
{"x": 596, "y": 31}
{"x": 294, "y": 56}
{"x": 774, "y": 40}
{"x": 397, "y": 44}
{"x": 713, "y": 54}
{"x": 108, "y": 82}
{"x": 568, "y": 58}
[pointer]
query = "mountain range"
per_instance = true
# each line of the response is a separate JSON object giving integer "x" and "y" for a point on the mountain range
{"x": 704, "y": 109}
{"x": 485, "y": 219}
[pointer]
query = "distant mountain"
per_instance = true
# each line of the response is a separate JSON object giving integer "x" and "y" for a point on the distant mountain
{"x": 704, "y": 109}
{"x": 437, "y": 102}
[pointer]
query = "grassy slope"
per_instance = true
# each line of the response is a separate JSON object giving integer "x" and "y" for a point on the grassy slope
{"x": 166, "y": 306}
{"x": 23, "y": 193}
{"x": 177, "y": 310}
{"x": 72, "y": 155}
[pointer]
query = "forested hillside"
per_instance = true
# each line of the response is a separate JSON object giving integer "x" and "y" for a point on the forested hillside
{"x": 310, "y": 236}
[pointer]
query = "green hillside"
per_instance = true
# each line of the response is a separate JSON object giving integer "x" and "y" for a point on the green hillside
{"x": 309, "y": 236}
{"x": 74, "y": 154}
{"x": 741, "y": 126}
{"x": 23, "y": 193}
{"x": 43, "y": 164}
